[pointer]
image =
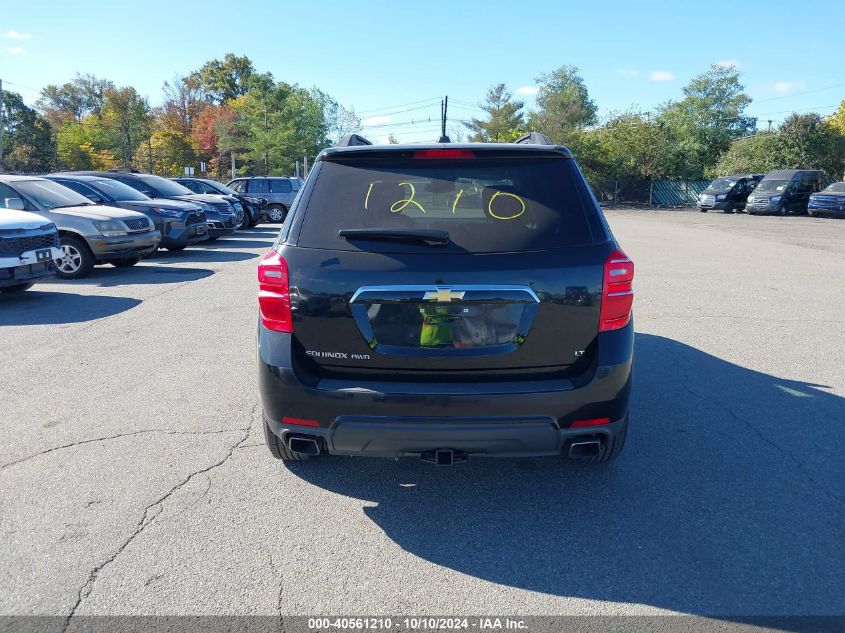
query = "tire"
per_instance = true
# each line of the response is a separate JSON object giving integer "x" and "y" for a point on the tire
{"x": 278, "y": 449}
{"x": 811, "y": 213}
{"x": 612, "y": 451}
{"x": 702, "y": 210}
{"x": 277, "y": 213}
{"x": 78, "y": 259}
{"x": 125, "y": 263}
{"x": 176, "y": 249}
{"x": 729, "y": 210}
{"x": 10, "y": 290}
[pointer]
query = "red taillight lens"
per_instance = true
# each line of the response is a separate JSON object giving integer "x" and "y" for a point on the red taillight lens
{"x": 593, "y": 422}
{"x": 273, "y": 293}
{"x": 300, "y": 422}
{"x": 617, "y": 292}
{"x": 444, "y": 153}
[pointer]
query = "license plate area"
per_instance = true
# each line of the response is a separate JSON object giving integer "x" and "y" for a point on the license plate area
{"x": 44, "y": 255}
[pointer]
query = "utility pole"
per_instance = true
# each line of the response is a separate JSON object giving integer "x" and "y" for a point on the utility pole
{"x": 233, "y": 164}
{"x": 770, "y": 125}
{"x": 305, "y": 166}
{"x": 1, "y": 126}
{"x": 444, "y": 106}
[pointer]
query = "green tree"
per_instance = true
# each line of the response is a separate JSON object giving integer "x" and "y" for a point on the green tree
{"x": 81, "y": 96}
{"x": 701, "y": 127}
{"x": 505, "y": 122}
{"x": 808, "y": 141}
{"x": 756, "y": 154}
{"x": 837, "y": 120}
{"x": 166, "y": 153}
{"x": 27, "y": 138}
{"x": 226, "y": 79}
{"x": 126, "y": 121}
{"x": 564, "y": 106}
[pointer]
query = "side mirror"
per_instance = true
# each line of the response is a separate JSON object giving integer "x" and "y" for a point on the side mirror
{"x": 14, "y": 203}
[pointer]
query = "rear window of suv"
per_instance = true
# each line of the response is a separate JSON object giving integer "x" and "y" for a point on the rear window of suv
{"x": 486, "y": 205}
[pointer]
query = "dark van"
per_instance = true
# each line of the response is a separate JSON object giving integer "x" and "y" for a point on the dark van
{"x": 786, "y": 191}
{"x": 729, "y": 193}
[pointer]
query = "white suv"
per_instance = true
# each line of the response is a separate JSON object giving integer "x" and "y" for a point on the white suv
{"x": 29, "y": 247}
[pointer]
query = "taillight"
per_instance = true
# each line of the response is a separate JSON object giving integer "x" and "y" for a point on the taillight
{"x": 274, "y": 293}
{"x": 300, "y": 422}
{"x": 444, "y": 153}
{"x": 617, "y": 292}
{"x": 591, "y": 422}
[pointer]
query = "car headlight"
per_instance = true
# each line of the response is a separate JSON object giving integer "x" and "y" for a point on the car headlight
{"x": 110, "y": 228}
{"x": 774, "y": 199}
{"x": 170, "y": 213}
{"x": 721, "y": 197}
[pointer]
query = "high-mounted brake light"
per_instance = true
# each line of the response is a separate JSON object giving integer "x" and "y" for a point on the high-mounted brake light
{"x": 274, "y": 293}
{"x": 444, "y": 154}
{"x": 617, "y": 292}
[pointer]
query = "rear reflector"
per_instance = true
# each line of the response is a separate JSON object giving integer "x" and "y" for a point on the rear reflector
{"x": 593, "y": 422}
{"x": 300, "y": 422}
{"x": 617, "y": 292}
{"x": 444, "y": 153}
{"x": 274, "y": 293}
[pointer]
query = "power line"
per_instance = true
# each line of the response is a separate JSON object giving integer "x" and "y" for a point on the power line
{"x": 17, "y": 85}
{"x": 401, "y": 105}
{"x": 804, "y": 92}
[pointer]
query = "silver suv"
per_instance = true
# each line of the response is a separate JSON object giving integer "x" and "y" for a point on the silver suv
{"x": 89, "y": 234}
{"x": 278, "y": 191}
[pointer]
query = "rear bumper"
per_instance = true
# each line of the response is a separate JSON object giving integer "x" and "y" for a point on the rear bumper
{"x": 391, "y": 419}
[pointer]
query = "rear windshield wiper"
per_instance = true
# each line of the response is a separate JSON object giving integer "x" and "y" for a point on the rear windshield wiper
{"x": 433, "y": 237}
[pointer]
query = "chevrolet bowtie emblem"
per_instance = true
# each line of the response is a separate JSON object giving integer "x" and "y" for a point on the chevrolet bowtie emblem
{"x": 444, "y": 295}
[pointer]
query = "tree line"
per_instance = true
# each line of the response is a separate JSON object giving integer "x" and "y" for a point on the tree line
{"x": 227, "y": 108}
{"x": 223, "y": 109}
{"x": 706, "y": 133}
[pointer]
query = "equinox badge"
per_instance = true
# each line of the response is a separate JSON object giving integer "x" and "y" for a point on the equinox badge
{"x": 444, "y": 295}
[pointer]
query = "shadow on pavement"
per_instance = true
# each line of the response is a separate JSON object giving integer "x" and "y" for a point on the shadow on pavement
{"x": 727, "y": 501}
{"x": 35, "y": 307}
{"x": 106, "y": 276}
{"x": 231, "y": 242}
{"x": 200, "y": 255}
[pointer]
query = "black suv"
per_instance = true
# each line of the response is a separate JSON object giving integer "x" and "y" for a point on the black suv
{"x": 180, "y": 223}
{"x": 253, "y": 207}
{"x": 445, "y": 301}
{"x": 729, "y": 193}
{"x": 784, "y": 192}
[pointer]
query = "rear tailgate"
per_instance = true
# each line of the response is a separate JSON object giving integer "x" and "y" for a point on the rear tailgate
{"x": 518, "y": 286}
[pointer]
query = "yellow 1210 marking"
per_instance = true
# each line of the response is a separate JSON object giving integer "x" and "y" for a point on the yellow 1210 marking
{"x": 455, "y": 203}
{"x": 509, "y": 217}
{"x": 400, "y": 205}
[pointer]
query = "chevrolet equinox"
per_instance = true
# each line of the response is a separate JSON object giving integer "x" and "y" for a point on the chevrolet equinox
{"x": 446, "y": 301}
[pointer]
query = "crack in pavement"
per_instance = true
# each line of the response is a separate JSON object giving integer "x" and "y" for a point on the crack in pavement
{"x": 754, "y": 429}
{"x": 150, "y": 514}
{"x": 118, "y": 436}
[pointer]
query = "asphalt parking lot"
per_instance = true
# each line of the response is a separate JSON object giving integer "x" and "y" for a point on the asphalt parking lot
{"x": 134, "y": 476}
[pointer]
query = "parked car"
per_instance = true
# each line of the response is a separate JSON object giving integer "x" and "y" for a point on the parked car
{"x": 729, "y": 193}
{"x": 180, "y": 223}
{"x": 279, "y": 192}
{"x": 221, "y": 216}
{"x": 89, "y": 234}
{"x": 830, "y": 201}
{"x": 784, "y": 191}
{"x": 406, "y": 313}
{"x": 29, "y": 246}
{"x": 254, "y": 207}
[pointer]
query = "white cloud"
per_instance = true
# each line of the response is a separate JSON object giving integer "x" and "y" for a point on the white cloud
{"x": 662, "y": 75}
{"x": 15, "y": 50}
{"x": 376, "y": 120}
{"x": 529, "y": 91}
{"x": 727, "y": 63}
{"x": 784, "y": 87}
{"x": 628, "y": 72}
{"x": 14, "y": 35}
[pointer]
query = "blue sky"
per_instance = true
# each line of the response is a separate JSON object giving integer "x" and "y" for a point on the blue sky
{"x": 379, "y": 56}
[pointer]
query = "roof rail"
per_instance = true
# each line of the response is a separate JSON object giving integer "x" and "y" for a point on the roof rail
{"x": 352, "y": 139}
{"x": 534, "y": 138}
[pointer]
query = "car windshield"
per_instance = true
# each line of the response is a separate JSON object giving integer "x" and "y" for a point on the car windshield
{"x": 721, "y": 185}
{"x": 837, "y": 187}
{"x": 507, "y": 205}
{"x": 166, "y": 187}
{"x": 118, "y": 190}
{"x": 49, "y": 194}
{"x": 221, "y": 188}
{"x": 772, "y": 185}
